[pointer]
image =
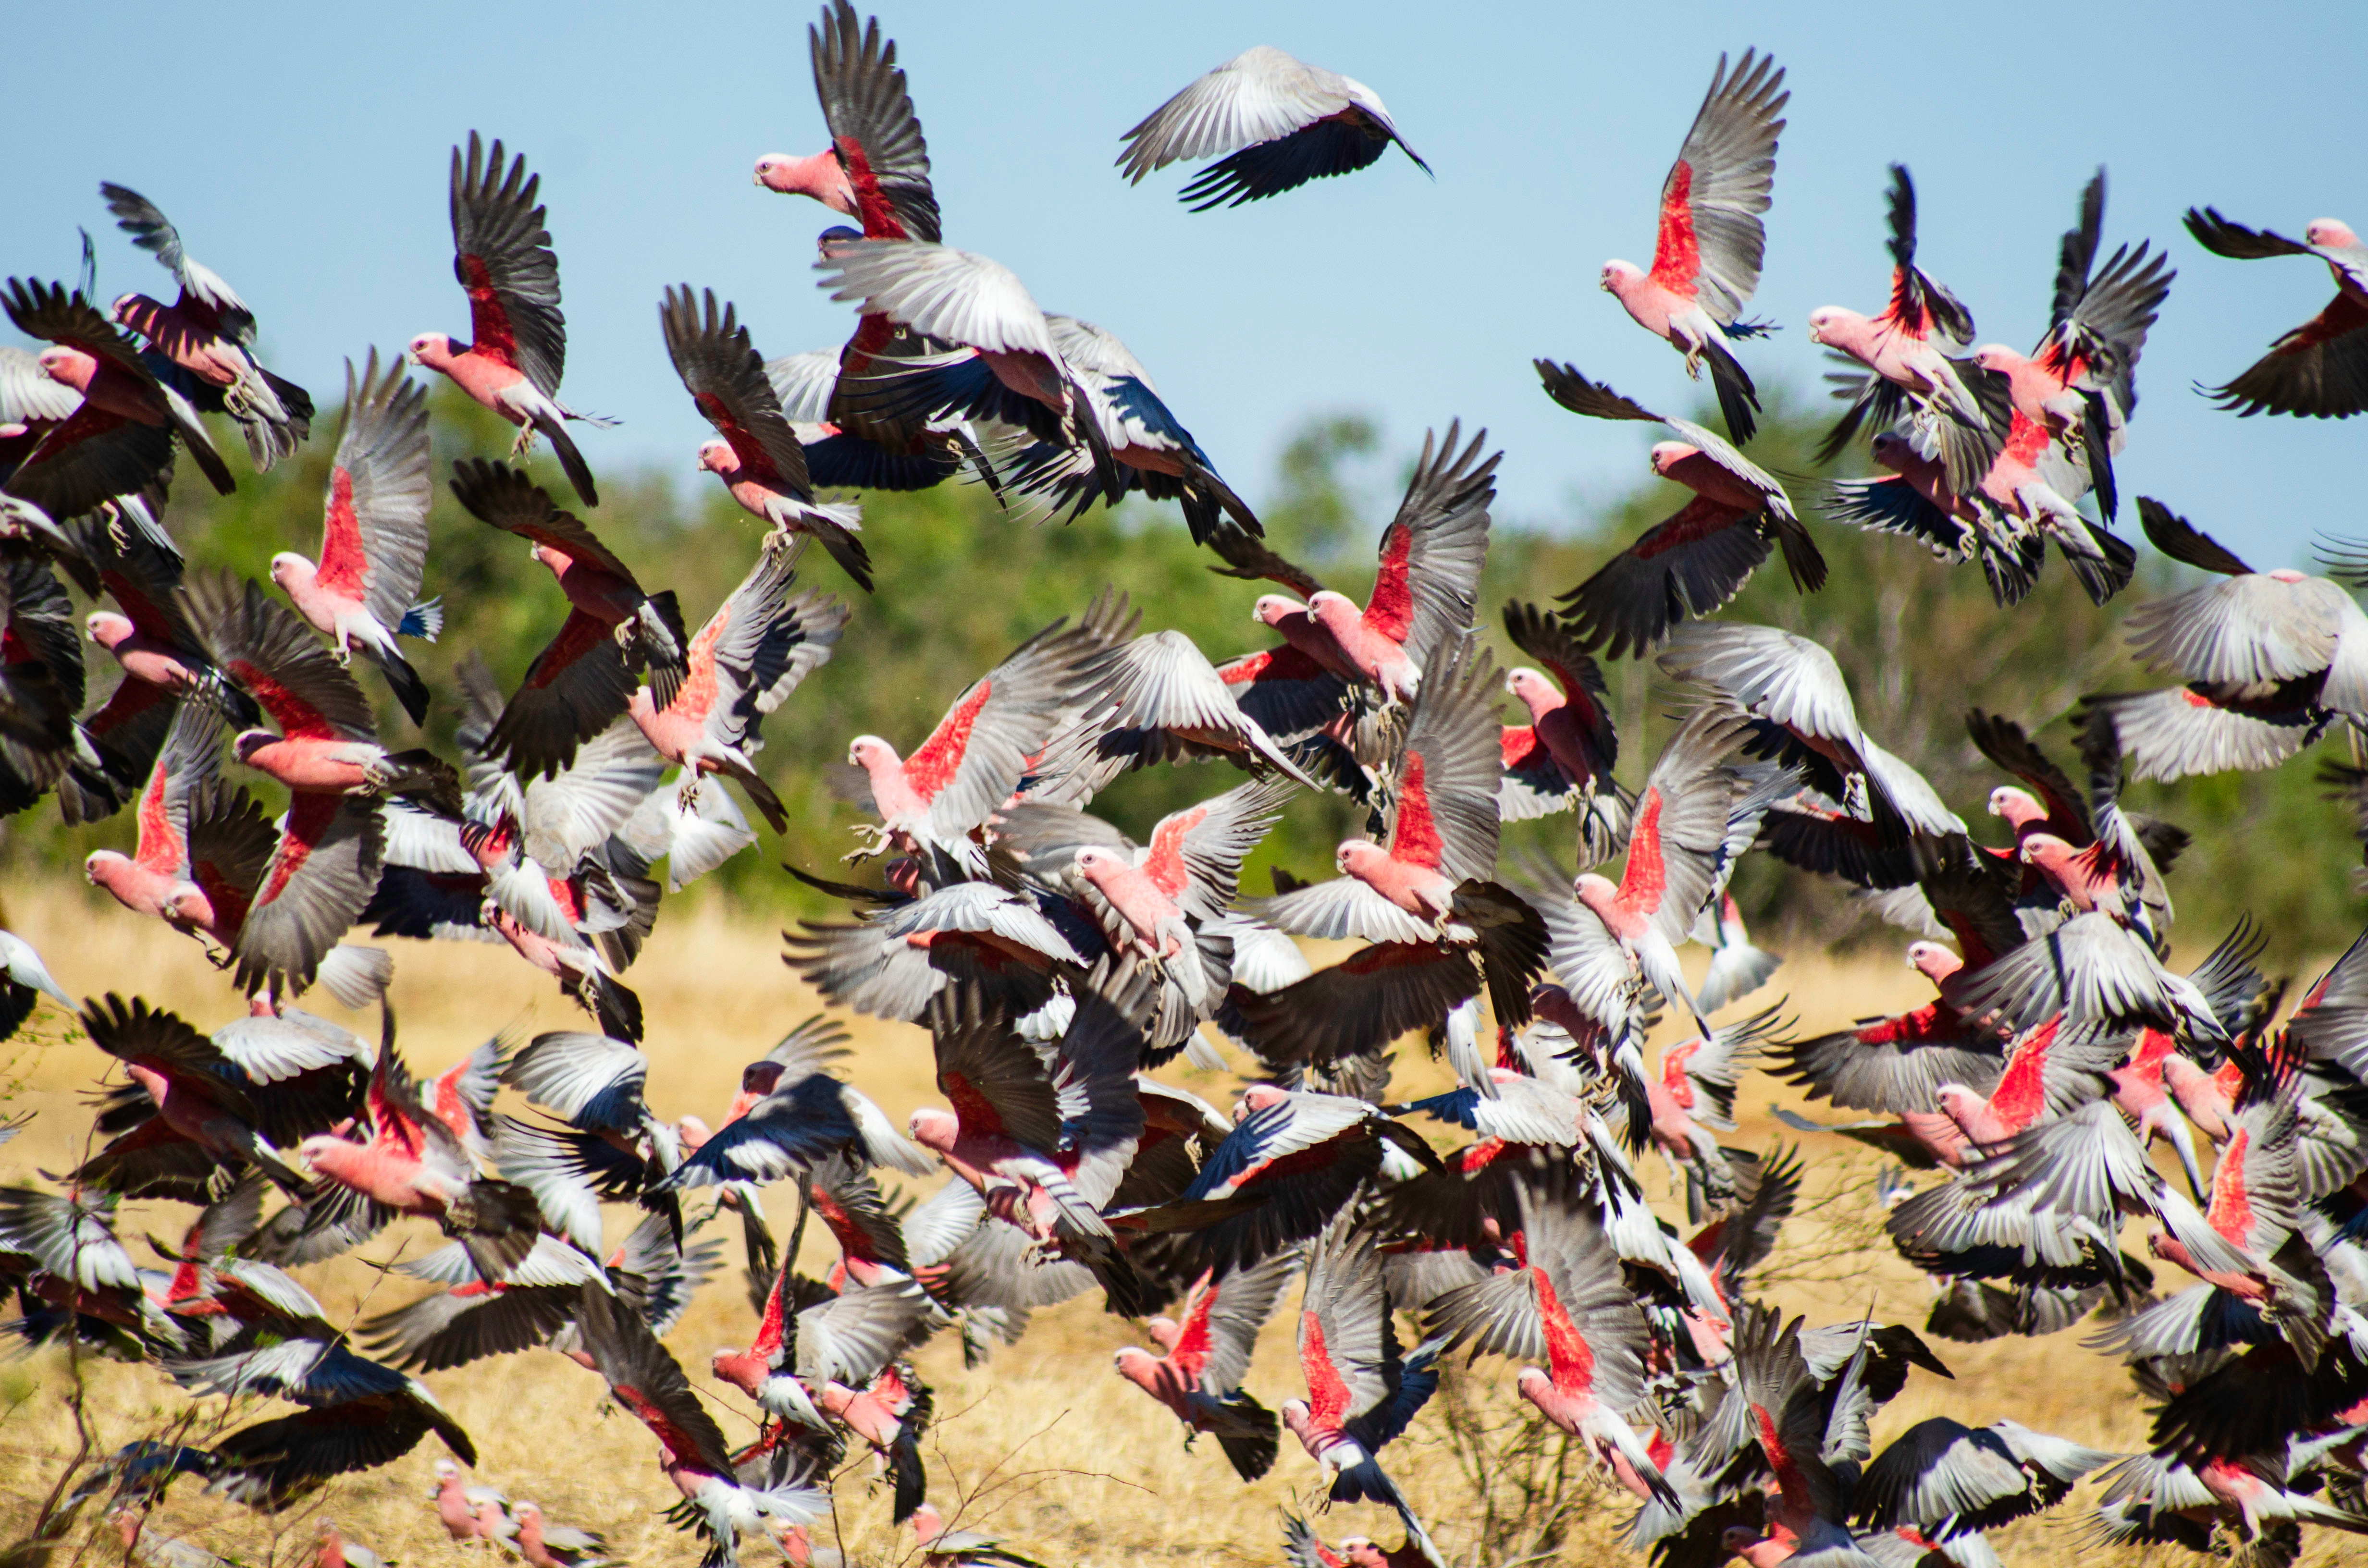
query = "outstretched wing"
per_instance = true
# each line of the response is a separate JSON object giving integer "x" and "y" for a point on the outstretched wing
{"x": 1711, "y": 237}
{"x": 502, "y": 255}
{"x": 873, "y": 127}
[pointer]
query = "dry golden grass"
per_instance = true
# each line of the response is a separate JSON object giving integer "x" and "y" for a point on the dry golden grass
{"x": 1043, "y": 1445}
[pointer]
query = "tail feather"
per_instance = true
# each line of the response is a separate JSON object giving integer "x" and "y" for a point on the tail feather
{"x": 760, "y": 794}
{"x": 579, "y": 474}
{"x": 1738, "y": 400}
{"x": 849, "y": 551}
{"x": 2102, "y": 576}
{"x": 408, "y": 687}
{"x": 1252, "y": 1453}
{"x": 608, "y": 1000}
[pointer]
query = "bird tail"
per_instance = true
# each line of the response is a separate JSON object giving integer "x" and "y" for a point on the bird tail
{"x": 424, "y": 620}
{"x": 2108, "y": 573}
{"x": 273, "y": 1164}
{"x": 497, "y": 1224}
{"x": 849, "y": 551}
{"x": 1734, "y": 972}
{"x": 1738, "y": 400}
{"x": 408, "y": 687}
{"x": 906, "y": 1475}
{"x": 356, "y": 976}
{"x": 579, "y": 474}
{"x": 760, "y": 795}
{"x": 608, "y": 1000}
{"x": 1251, "y": 1450}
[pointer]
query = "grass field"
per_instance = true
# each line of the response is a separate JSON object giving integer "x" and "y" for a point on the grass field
{"x": 1043, "y": 1446}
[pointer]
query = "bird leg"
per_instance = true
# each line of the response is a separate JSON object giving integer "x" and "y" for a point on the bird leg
{"x": 876, "y": 843}
{"x": 525, "y": 442}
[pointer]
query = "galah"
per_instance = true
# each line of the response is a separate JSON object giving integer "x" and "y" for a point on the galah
{"x": 876, "y": 169}
{"x": 1708, "y": 243}
{"x": 409, "y": 1160}
{"x": 933, "y": 801}
{"x": 207, "y": 338}
{"x": 1804, "y": 1444}
{"x": 2318, "y": 370}
{"x": 1676, "y": 849}
{"x": 1914, "y": 500}
{"x": 757, "y": 457}
{"x": 502, "y": 258}
{"x": 1567, "y": 1303}
{"x": 1692, "y": 563}
{"x": 1361, "y": 1391}
{"x": 162, "y": 660}
{"x": 1909, "y": 350}
{"x": 1562, "y": 757}
{"x": 1792, "y": 684}
{"x": 1166, "y": 703}
{"x": 1159, "y": 903}
{"x": 754, "y": 650}
{"x": 1044, "y": 1142}
{"x": 988, "y": 350}
{"x": 909, "y": 948}
{"x": 362, "y": 593}
{"x": 1155, "y": 455}
{"x": 1272, "y": 124}
{"x": 61, "y": 455}
{"x": 90, "y": 355}
{"x": 1426, "y": 581}
{"x": 2077, "y": 383}
{"x": 1203, "y": 1356}
{"x": 648, "y": 1384}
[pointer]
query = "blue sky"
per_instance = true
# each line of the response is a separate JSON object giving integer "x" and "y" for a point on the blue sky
{"x": 303, "y": 151}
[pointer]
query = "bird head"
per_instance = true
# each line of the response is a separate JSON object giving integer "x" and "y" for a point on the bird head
{"x": 692, "y": 1133}
{"x": 1996, "y": 356}
{"x": 820, "y": 177}
{"x": 102, "y": 866}
{"x": 1597, "y": 892}
{"x": 1332, "y": 609}
{"x": 69, "y": 367}
{"x": 717, "y": 456}
{"x": 249, "y": 742}
{"x": 432, "y": 349}
{"x": 1273, "y": 610}
{"x": 2016, "y": 806}
{"x": 1136, "y": 1365}
{"x": 1933, "y": 961}
{"x": 2334, "y": 233}
{"x": 1829, "y": 324}
{"x": 869, "y": 752}
{"x": 1619, "y": 277}
{"x": 1357, "y": 854}
{"x": 1531, "y": 688}
{"x": 558, "y": 560}
{"x": 1667, "y": 455}
{"x": 108, "y": 628}
{"x": 934, "y": 1129}
{"x": 288, "y": 569}
{"x": 2046, "y": 851}
{"x": 1093, "y": 862}
{"x": 827, "y": 243}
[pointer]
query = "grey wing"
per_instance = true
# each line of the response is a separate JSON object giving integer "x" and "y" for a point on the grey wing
{"x": 1722, "y": 180}
{"x": 1445, "y": 517}
{"x": 1260, "y": 94}
{"x": 1779, "y": 676}
{"x": 382, "y": 462}
{"x": 1455, "y": 738}
{"x": 502, "y": 255}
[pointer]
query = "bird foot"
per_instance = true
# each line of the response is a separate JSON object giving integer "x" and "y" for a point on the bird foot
{"x": 1693, "y": 364}
{"x": 524, "y": 443}
{"x": 875, "y": 843}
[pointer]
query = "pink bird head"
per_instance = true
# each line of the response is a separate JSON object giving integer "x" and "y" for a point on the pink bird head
{"x": 871, "y": 753}
{"x": 1667, "y": 455}
{"x": 1997, "y": 356}
{"x": 108, "y": 628}
{"x": 248, "y": 742}
{"x": 1600, "y": 894}
{"x": 717, "y": 456}
{"x": 103, "y": 868}
{"x": 1957, "y": 1102}
{"x": 1137, "y": 1365}
{"x": 290, "y": 571}
{"x": 69, "y": 367}
{"x": 1258, "y": 1097}
{"x": 1933, "y": 961}
{"x": 1532, "y": 689}
{"x": 432, "y": 349}
{"x": 1335, "y": 610}
{"x": 1273, "y": 610}
{"x": 2332, "y": 233}
{"x": 1359, "y": 857}
{"x": 744, "y": 1370}
{"x": 693, "y": 1131}
{"x": 1098, "y": 866}
{"x": 332, "y": 1156}
{"x": 1620, "y": 276}
{"x": 558, "y": 560}
{"x": 1832, "y": 324}
{"x": 820, "y": 177}
{"x": 934, "y": 1129}
{"x": 148, "y": 1078}
{"x": 189, "y": 906}
{"x": 2047, "y": 852}
{"x": 2016, "y": 806}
